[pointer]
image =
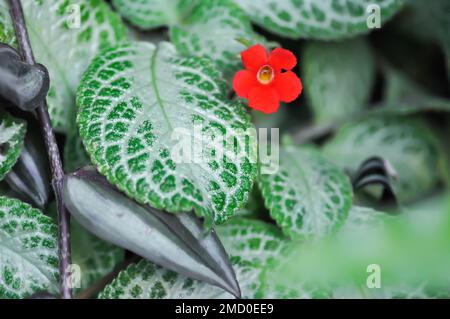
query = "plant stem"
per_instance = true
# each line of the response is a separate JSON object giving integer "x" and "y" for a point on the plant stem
{"x": 53, "y": 154}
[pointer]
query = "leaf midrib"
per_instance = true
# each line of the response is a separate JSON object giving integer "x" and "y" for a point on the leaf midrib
{"x": 159, "y": 100}
{"x": 160, "y": 103}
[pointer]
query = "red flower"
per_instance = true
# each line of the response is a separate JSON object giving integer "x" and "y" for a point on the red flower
{"x": 263, "y": 81}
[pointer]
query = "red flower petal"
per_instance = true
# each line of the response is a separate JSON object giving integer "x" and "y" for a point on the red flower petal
{"x": 243, "y": 82}
{"x": 288, "y": 86}
{"x": 264, "y": 99}
{"x": 254, "y": 57}
{"x": 282, "y": 59}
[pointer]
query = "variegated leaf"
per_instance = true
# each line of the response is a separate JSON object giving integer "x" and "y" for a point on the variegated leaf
{"x": 324, "y": 19}
{"x": 252, "y": 240}
{"x": 6, "y": 30}
{"x": 65, "y": 35}
{"x": 226, "y": 26}
{"x": 12, "y": 134}
{"x": 308, "y": 196}
{"x": 145, "y": 280}
{"x": 28, "y": 250}
{"x": 407, "y": 144}
{"x": 148, "y": 14}
{"x": 145, "y": 109}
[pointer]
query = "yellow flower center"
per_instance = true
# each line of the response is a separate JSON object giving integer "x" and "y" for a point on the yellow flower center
{"x": 265, "y": 74}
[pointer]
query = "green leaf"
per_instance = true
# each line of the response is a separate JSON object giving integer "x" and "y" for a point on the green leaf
{"x": 363, "y": 217}
{"x": 148, "y": 14}
{"x": 254, "y": 208}
{"x": 136, "y": 100}
{"x": 307, "y": 196}
{"x": 327, "y": 19}
{"x": 281, "y": 279}
{"x": 12, "y": 135}
{"x": 333, "y": 86}
{"x": 434, "y": 17}
{"x": 66, "y": 49}
{"x": 95, "y": 257}
{"x": 213, "y": 30}
{"x": 28, "y": 250}
{"x": 252, "y": 240}
{"x": 408, "y": 145}
{"x": 145, "y": 280}
{"x": 403, "y": 96}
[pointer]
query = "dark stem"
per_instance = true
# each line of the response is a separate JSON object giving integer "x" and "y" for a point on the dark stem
{"x": 53, "y": 154}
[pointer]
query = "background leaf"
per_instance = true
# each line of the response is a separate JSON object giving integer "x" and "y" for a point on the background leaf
{"x": 148, "y": 14}
{"x": 252, "y": 240}
{"x": 308, "y": 196}
{"x": 12, "y": 135}
{"x": 132, "y": 101}
{"x": 145, "y": 280}
{"x": 361, "y": 218}
{"x": 407, "y": 144}
{"x": 213, "y": 30}
{"x": 338, "y": 78}
{"x": 403, "y": 96}
{"x": 325, "y": 19}
{"x": 28, "y": 250}
{"x": 66, "y": 49}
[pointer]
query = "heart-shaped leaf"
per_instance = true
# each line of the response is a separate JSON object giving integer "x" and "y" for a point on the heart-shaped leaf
{"x": 158, "y": 126}
{"x": 176, "y": 242}
{"x": 408, "y": 145}
{"x": 325, "y": 19}
{"x": 308, "y": 196}
{"x": 65, "y": 36}
{"x": 28, "y": 250}
{"x": 149, "y": 14}
{"x": 333, "y": 88}
{"x": 12, "y": 135}
{"x": 225, "y": 23}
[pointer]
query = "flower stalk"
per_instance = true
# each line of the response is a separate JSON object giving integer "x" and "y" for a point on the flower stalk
{"x": 53, "y": 154}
